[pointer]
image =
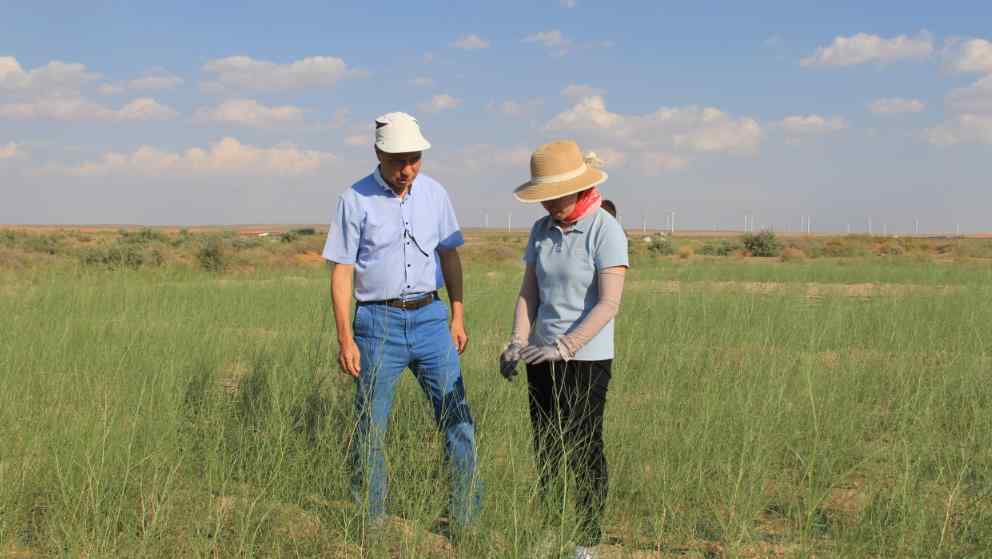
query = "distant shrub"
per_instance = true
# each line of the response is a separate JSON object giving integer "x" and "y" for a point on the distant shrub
{"x": 662, "y": 246}
{"x": 141, "y": 236}
{"x": 114, "y": 257}
{"x": 8, "y": 238}
{"x": 245, "y": 243}
{"x": 47, "y": 244}
{"x": 212, "y": 257}
{"x": 303, "y": 232}
{"x": 723, "y": 247}
{"x": 288, "y": 237}
{"x": 763, "y": 243}
{"x": 685, "y": 252}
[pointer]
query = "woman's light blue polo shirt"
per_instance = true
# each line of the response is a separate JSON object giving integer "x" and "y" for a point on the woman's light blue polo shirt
{"x": 567, "y": 266}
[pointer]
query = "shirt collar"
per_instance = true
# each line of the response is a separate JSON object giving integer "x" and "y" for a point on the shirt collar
{"x": 580, "y": 226}
{"x": 382, "y": 182}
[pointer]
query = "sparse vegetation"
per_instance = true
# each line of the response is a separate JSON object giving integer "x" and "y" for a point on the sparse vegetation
{"x": 186, "y": 414}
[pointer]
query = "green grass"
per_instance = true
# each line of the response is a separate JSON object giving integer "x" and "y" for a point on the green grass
{"x": 171, "y": 412}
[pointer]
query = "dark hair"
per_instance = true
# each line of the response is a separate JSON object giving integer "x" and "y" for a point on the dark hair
{"x": 609, "y": 206}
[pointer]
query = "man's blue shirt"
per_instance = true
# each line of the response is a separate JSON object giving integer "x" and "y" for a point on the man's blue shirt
{"x": 393, "y": 241}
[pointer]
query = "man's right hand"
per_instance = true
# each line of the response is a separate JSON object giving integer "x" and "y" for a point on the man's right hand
{"x": 349, "y": 358}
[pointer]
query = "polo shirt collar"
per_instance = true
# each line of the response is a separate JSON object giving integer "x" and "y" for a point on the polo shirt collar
{"x": 382, "y": 182}
{"x": 580, "y": 226}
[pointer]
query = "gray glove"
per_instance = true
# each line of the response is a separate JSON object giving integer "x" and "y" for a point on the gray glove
{"x": 508, "y": 360}
{"x": 535, "y": 354}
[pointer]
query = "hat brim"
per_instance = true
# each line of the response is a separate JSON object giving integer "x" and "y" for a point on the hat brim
{"x": 530, "y": 191}
{"x": 406, "y": 147}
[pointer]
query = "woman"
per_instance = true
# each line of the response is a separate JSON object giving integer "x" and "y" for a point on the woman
{"x": 563, "y": 326}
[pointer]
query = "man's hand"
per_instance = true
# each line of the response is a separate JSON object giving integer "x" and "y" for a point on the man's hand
{"x": 349, "y": 358}
{"x": 458, "y": 335}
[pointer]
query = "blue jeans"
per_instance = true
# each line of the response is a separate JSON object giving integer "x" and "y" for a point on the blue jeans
{"x": 390, "y": 340}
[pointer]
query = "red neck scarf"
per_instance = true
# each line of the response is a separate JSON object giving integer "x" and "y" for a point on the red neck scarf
{"x": 588, "y": 201}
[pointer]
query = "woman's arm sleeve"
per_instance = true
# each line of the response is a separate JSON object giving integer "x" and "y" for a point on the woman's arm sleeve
{"x": 610, "y": 291}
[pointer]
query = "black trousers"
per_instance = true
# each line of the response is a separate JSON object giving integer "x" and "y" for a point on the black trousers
{"x": 567, "y": 401}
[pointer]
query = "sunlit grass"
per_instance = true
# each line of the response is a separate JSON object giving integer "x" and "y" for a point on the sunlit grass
{"x": 169, "y": 412}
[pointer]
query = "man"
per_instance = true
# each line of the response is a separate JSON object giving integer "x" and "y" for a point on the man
{"x": 395, "y": 235}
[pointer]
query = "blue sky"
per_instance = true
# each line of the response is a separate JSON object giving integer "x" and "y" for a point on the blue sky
{"x": 255, "y": 112}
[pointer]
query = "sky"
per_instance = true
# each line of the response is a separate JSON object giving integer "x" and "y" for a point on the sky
{"x": 185, "y": 113}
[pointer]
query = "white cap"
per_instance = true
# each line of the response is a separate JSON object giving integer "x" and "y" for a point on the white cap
{"x": 399, "y": 133}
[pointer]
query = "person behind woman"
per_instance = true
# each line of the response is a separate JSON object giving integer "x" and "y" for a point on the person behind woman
{"x": 610, "y": 207}
{"x": 576, "y": 258}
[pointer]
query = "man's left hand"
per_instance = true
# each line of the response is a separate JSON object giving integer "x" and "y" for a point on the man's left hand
{"x": 459, "y": 336}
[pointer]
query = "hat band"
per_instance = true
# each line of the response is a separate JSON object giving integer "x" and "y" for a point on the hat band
{"x": 561, "y": 177}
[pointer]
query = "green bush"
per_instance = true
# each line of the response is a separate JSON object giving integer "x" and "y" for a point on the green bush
{"x": 662, "y": 246}
{"x": 763, "y": 243}
{"x": 212, "y": 256}
{"x": 723, "y": 247}
{"x": 48, "y": 244}
{"x": 141, "y": 236}
{"x": 8, "y": 238}
{"x": 288, "y": 237}
{"x": 115, "y": 257}
{"x": 304, "y": 232}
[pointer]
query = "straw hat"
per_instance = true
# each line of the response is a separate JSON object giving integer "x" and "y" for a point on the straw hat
{"x": 399, "y": 133}
{"x": 558, "y": 169}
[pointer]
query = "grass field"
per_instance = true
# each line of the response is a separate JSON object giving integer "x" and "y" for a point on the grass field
{"x": 821, "y": 407}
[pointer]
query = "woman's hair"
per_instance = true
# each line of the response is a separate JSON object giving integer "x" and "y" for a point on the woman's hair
{"x": 609, "y": 206}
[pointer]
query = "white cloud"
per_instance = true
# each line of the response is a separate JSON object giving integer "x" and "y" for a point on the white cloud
{"x": 78, "y": 108}
{"x": 691, "y": 128}
{"x": 658, "y": 162}
{"x": 575, "y": 91}
{"x": 972, "y": 120}
{"x": 227, "y": 157}
{"x": 863, "y": 48}
{"x": 665, "y": 139}
{"x": 976, "y": 98}
{"x": 151, "y": 80}
{"x": 972, "y": 56}
{"x": 553, "y": 40}
{"x": 244, "y": 72}
{"x": 441, "y": 102}
{"x": 473, "y": 159}
{"x": 512, "y": 107}
{"x": 249, "y": 112}
{"x": 146, "y": 108}
{"x": 967, "y": 128}
{"x": 804, "y": 125}
{"x": 54, "y": 78}
{"x": 422, "y": 81}
{"x": 896, "y": 105}
{"x": 10, "y": 151}
{"x": 587, "y": 113}
{"x": 470, "y": 42}
{"x": 568, "y": 3}
{"x": 610, "y": 157}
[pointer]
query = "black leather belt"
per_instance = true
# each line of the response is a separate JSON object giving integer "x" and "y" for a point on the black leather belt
{"x": 406, "y": 304}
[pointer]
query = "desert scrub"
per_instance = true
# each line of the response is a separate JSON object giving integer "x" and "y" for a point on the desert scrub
{"x": 762, "y": 243}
